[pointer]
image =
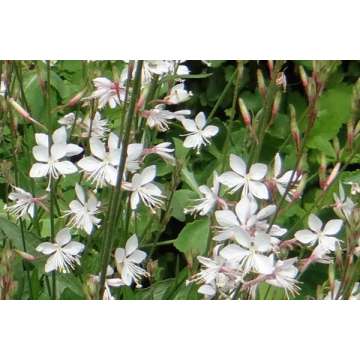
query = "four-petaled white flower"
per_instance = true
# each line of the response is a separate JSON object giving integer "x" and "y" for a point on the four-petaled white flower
{"x": 319, "y": 233}
{"x": 144, "y": 190}
{"x": 24, "y": 203}
{"x": 109, "y": 282}
{"x": 128, "y": 260}
{"x": 108, "y": 92}
{"x": 281, "y": 180}
{"x": 83, "y": 211}
{"x": 163, "y": 150}
{"x": 207, "y": 203}
{"x": 284, "y": 276}
{"x": 251, "y": 181}
{"x": 250, "y": 252}
{"x": 158, "y": 117}
{"x": 199, "y": 134}
{"x": 51, "y": 164}
{"x": 64, "y": 253}
{"x": 68, "y": 120}
{"x": 178, "y": 94}
{"x": 343, "y": 204}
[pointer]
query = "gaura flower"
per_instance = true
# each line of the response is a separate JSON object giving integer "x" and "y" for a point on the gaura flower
{"x": 109, "y": 282}
{"x": 127, "y": 260}
{"x": 101, "y": 166}
{"x": 319, "y": 233}
{"x": 251, "y": 181}
{"x": 83, "y": 211}
{"x": 68, "y": 120}
{"x": 207, "y": 203}
{"x": 64, "y": 253}
{"x": 343, "y": 204}
{"x": 108, "y": 92}
{"x": 163, "y": 150}
{"x": 177, "y": 95}
{"x": 199, "y": 134}
{"x": 24, "y": 203}
{"x": 158, "y": 117}
{"x": 144, "y": 190}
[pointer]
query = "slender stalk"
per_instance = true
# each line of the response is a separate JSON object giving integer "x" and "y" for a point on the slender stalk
{"x": 116, "y": 205}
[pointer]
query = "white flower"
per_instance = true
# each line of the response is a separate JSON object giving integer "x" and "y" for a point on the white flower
{"x": 245, "y": 218}
{"x": 239, "y": 178}
{"x": 199, "y": 134}
{"x": 143, "y": 189}
{"x": 59, "y": 137}
{"x": 24, "y": 203}
{"x": 83, "y": 211}
{"x": 355, "y": 187}
{"x": 68, "y": 120}
{"x": 101, "y": 167}
{"x": 281, "y": 180}
{"x": 343, "y": 204}
{"x": 108, "y": 92}
{"x": 320, "y": 233}
{"x": 158, "y": 117}
{"x": 178, "y": 94}
{"x": 95, "y": 127}
{"x": 109, "y": 282}
{"x": 249, "y": 252}
{"x": 64, "y": 253}
{"x": 207, "y": 203}
{"x": 284, "y": 276}
{"x": 127, "y": 261}
{"x": 51, "y": 165}
{"x": 163, "y": 150}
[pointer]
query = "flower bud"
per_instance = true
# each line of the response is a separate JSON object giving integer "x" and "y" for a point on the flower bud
{"x": 270, "y": 64}
{"x": 245, "y": 113}
{"x": 350, "y": 134}
{"x": 276, "y": 105}
{"x": 25, "y": 255}
{"x": 75, "y": 99}
{"x": 332, "y": 176}
{"x": 261, "y": 83}
{"x": 331, "y": 274}
{"x": 336, "y": 145}
{"x": 294, "y": 127}
{"x": 311, "y": 90}
{"x": 322, "y": 170}
{"x": 303, "y": 77}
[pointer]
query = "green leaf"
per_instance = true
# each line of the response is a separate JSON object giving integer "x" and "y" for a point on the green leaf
{"x": 180, "y": 200}
{"x": 193, "y": 237}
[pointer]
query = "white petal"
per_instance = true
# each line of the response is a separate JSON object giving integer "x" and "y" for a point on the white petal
{"x": 131, "y": 245}
{"x": 315, "y": 224}
{"x": 39, "y": 170}
{"x": 328, "y": 242}
{"x": 231, "y": 179}
{"x": 243, "y": 210}
{"x": 63, "y": 237}
{"x": 80, "y": 193}
{"x": 277, "y": 165}
{"x": 42, "y": 139}
{"x": 51, "y": 263}
{"x": 72, "y": 149}
{"x": 189, "y": 125}
{"x": 110, "y": 175}
{"x": 237, "y": 164}
{"x": 46, "y": 248}
{"x": 305, "y": 236}
{"x": 97, "y": 148}
{"x": 207, "y": 290}
{"x": 74, "y": 248}
{"x": 210, "y": 131}
{"x": 200, "y": 120}
{"x": 41, "y": 153}
{"x": 258, "y": 189}
{"x": 89, "y": 164}
{"x": 266, "y": 212}
{"x": 226, "y": 218}
{"x": 58, "y": 151}
{"x": 263, "y": 264}
{"x": 119, "y": 255}
{"x": 148, "y": 174}
{"x": 66, "y": 167}
{"x": 134, "y": 200}
{"x": 192, "y": 141}
{"x": 59, "y": 135}
{"x": 233, "y": 252}
{"x": 333, "y": 227}
{"x": 137, "y": 256}
{"x": 134, "y": 151}
{"x": 257, "y": 171}
{"x": 113, "y": 142}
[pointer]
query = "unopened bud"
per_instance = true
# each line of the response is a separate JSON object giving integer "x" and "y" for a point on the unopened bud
{"x": 75, "y": 99}
{"x": 245, "y": 113}
{"x": 140, "y": 103}
{"x": 350, "y": 134}
{"x": 270, "y": 64}
{"x": 281, "y": 80}
{"x": 296, "y": 194}
{"x": 295, "y": 133}
{"x": 303, "y": 77}
{"x": 276, "y": 105}
{"x": 261, "y": 83}
{"x": 25, "y": 255}
{"x": 311, "y": 89}
{"x": 322, "y": 170}
{"x": 332, "y": 176}
{"x": 336, "y": 145}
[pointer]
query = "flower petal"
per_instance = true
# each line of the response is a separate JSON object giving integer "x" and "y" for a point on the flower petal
{"x": 39, "y": 170}
{"x": 97, "y": 148}
{"x": 237, "y": 164}
{"x": 315, "y": 224}
{"x": 257, "y": 171}
{"x": 305, "y": 236}
{"x": 46, "y": 248}
{"x": 73, "y": 248}
{"x": 226, "y": 218}
{"x": 200, "y": 120}
{"x": 63, "y": 237}
{"x": 66, "y": 167}
{"x": 41, "y": 153}
{"x": 258, "y": 189}
{"x": 131, "y": 245}
{"x": 333, "y": 227}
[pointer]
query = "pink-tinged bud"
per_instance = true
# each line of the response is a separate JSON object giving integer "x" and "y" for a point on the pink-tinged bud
{"x": 311, "y": 90}
{"x": 296, "y": 194}
{"x": 74, "y": 100}
{"x": 276, "y": 105}
{"x": 270, "y": 64}
{"x": 20, "y": 110}
{"x": 25, "y": 255}
{"x": 303, "y": 77}
{"x": 332, "y": 176}
{"x": 261, "y": 83}
{"x": 332, "y": 277}
{"x": 281, "y": 80}
{"x": 140, "y": 103}
{"x": 322, "y": 171}
{"x": 295, "y": 133}
{"x": 245, "y": 113}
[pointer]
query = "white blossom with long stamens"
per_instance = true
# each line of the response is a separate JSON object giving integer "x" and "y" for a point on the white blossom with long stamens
{"x": 108, "y": 92}
{"x": 64, "y": 253}
{"x": 178, "y": 94}
{"x": 24, "y": 203}
{"x": 83, "y": 211}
